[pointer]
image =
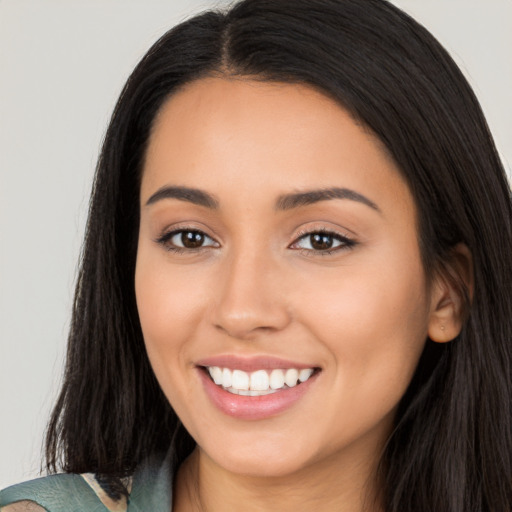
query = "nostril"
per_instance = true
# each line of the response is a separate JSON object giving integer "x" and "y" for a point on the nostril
{"x": 245, "y": 332}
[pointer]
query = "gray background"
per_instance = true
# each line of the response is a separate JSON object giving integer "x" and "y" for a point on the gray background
{"x": 62, "y": 65}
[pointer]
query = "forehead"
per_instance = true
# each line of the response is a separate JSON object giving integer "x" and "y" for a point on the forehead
{"x": 248, "y": 136}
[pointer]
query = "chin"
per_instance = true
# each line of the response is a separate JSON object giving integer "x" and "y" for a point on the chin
{"x": 261, "y": 459}
{"x": 263, "y": 467}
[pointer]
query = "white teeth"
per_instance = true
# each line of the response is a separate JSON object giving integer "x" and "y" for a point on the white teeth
{"x": 277, "y": 379}
{"x": 260, "y": 382}
{"x": 305, "y": 374}
{"x": 216, "y": 374}
{"x": 226, "y": 377}
{"x": 250, "y": 392}
{"x": 240, "y": 380}
{"x": 291, "y": 377}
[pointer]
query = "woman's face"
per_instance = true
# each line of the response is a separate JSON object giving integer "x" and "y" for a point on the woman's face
{"x": 278, "y": 243}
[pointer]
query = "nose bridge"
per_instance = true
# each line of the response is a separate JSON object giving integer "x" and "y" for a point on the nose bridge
{"x": 250, "y": 299}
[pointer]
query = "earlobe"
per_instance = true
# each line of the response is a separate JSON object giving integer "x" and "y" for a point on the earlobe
{"x": 444, "y": 330}
{"x": 451, "y": 295}
{"x": 445, "y": 321}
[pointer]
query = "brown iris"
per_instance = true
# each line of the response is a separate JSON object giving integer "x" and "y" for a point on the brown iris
{"x": 320, "y": 241}
{"x": 192, "y": 239}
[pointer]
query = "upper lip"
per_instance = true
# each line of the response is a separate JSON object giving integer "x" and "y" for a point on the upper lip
{"x": 252, "y": 363}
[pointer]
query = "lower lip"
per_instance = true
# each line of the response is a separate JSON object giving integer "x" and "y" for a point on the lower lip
{"x": 254, "y": 407}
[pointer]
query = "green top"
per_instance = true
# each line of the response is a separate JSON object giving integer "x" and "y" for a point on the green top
{"x": 151, "y": 491}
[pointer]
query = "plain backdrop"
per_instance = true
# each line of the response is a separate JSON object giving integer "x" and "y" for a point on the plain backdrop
{"x": 62, "y": 65}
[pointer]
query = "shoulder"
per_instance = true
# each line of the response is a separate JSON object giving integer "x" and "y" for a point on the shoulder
{"x": 59, "y": 493}
{"x": 150, "y": 488}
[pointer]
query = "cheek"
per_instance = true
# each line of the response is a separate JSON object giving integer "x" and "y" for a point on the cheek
{"x": 168, "y": 299}
{"x": 381, "y": 296}
{"x": 169, "y": 303}
{"x": 375, "y": 309}
{"x": 373, "y": 320}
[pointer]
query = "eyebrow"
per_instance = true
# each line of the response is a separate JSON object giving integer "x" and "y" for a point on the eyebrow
{"x": 192, "y": 195}
{"x": 284, "y": 202}
{"x": 296, "y": 200}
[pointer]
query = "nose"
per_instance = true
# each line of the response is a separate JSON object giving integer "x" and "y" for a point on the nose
{"x": 252, "y": 298}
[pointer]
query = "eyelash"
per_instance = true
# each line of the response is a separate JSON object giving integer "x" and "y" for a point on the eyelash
{"x": 165, "y": 239}
{"x": 345, "y": 242}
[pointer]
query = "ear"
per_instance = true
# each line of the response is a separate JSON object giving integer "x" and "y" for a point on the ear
{"x": 451, "y": 294}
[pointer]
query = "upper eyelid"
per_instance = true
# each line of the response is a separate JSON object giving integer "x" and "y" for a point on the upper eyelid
{"x": 323, "y": 230}
{"x": 176, "y": 228}
{"x": 178, "y": 231}
{"x": 168, "y": 233}
{"x": 165, "y": 241}
{"x": 347, "y": 242}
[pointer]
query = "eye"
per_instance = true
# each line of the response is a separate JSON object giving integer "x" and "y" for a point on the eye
{"x": 183, "y": 239}
{"x": 323, "y": 242}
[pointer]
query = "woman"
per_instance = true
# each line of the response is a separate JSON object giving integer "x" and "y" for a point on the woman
{"x": 298, "y": 245}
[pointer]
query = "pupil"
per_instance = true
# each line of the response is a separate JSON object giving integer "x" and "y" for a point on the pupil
{"x": 321, "y": 242}
{"x": 192, "y": 239}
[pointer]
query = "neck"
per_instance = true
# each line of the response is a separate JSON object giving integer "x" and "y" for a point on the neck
{"x": 335, "y": 484}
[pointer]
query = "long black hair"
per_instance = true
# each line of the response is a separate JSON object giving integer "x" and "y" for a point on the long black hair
{"x": 451, "y": 450}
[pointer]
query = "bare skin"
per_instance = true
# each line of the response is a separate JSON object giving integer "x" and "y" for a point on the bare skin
{"x": 358, "y": 308}
{"x": 197, "y": 489}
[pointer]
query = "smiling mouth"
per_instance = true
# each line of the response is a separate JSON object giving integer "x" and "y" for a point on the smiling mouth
{"x": 259, "y": 382}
